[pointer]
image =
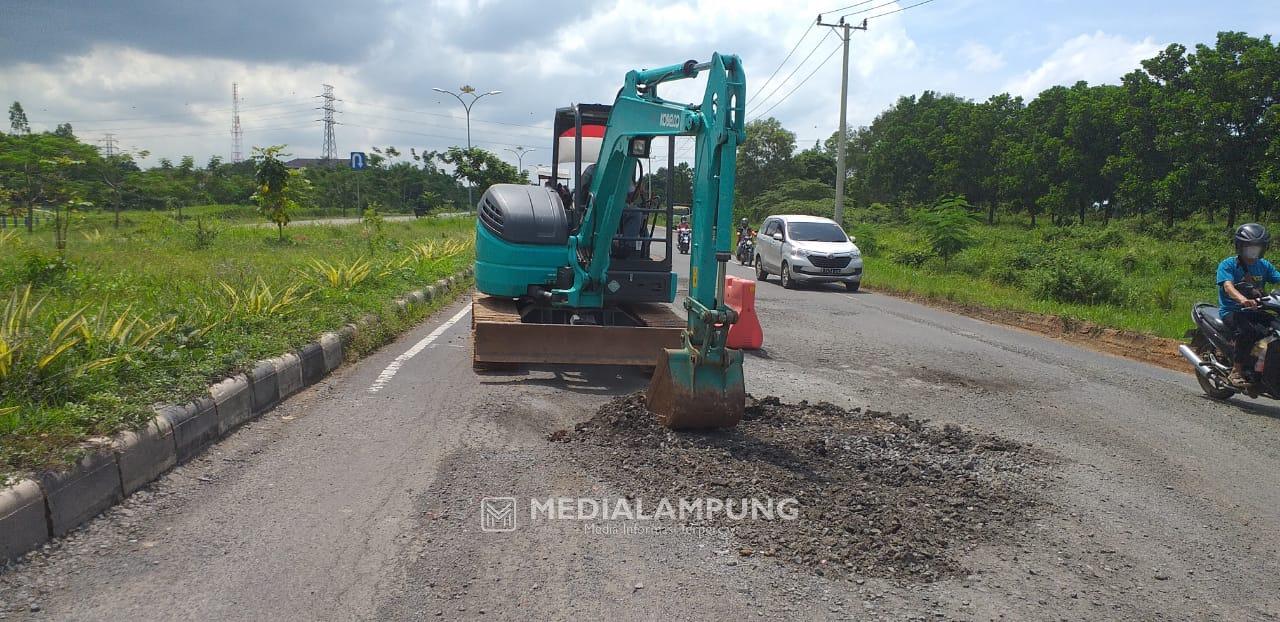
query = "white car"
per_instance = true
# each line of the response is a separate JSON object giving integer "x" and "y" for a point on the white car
{"x": 807, "y": 249}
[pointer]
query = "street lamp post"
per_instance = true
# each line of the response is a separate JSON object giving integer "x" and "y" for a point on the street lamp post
{"x": 520, "y": 151}
{"x": 469, "y": 90}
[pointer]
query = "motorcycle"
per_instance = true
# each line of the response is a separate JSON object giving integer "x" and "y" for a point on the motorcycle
{"x": 682, "y": 241}
{"x": 1212, "y": 350}
{"x": 746, "y": 251}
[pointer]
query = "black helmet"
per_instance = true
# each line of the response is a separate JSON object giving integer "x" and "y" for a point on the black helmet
{"x": 1252, "y": 234}
{"x": 744, "y": 221}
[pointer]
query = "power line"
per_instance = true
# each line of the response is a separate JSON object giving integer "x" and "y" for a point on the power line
{"x": 856, "y": 4}
{"x": 761, "y": 102}
{"x": 900, "y": 9}
{"x": 401, "y": 131}
{"x": 881, "y": 6}
{"x": 788, "y": 57}
{"x": 134, "y": 137}
{"x": 541, "y": 131}
{"x": 282, "y": 103}
{"x": 797, "y": 87}
{"x": 447, "y": 116}
{"x": 179, "y": 123}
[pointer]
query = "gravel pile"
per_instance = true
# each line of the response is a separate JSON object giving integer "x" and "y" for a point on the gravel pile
{"x": 879, "y": 494}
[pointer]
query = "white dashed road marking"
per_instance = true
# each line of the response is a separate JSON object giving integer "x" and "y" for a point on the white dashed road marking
{"x": 390, "y": 372}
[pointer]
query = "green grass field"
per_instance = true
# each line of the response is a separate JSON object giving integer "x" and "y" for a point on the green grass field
{"x": 1129, "y": 275}
{"x": 154, "y": 311}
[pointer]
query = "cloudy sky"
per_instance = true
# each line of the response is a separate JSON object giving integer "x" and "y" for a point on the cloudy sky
{"x": 157, "y": 74}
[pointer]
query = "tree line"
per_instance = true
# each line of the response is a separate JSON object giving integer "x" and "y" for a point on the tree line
{"x": 56, "y": 170}
{"x": 1190, "y": 132}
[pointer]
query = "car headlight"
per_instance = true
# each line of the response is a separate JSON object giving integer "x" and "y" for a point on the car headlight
{"x": 799, "y": 252}
{"x": 856, "y": 252}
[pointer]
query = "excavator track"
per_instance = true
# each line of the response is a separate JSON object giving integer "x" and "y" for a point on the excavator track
{"x": 501, "y": 340}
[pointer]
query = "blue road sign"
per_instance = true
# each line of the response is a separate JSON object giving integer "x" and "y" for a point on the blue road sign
{"x": 358, "y": 160}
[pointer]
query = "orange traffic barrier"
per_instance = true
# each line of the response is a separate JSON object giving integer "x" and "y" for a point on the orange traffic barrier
{"x": 740, "y": 295}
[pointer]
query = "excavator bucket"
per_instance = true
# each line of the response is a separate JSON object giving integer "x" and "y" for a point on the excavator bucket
{"x": 688, "y": 395}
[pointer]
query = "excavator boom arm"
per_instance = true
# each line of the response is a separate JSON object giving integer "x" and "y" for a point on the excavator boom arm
{"x": 638, "y": 115}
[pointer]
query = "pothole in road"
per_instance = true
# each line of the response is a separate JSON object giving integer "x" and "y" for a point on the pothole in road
{"x": 878, "y": 494}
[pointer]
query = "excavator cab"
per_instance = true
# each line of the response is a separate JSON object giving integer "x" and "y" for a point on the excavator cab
{"x": 642, "y": 277}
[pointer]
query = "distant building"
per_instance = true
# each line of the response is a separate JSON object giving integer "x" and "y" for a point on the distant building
{"x": 311, "y": 163}
{"x": 544, "y": 175}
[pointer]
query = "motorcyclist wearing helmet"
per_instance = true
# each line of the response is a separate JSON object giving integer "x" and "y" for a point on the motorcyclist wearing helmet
{"x": 684, "y": 223}
{"x": 1240, "y": 280}
{"x": 744, "y": 231}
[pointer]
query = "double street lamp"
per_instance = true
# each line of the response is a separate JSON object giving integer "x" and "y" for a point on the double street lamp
{"x": 520, "y": 151}
{"x": 467, "y": 90}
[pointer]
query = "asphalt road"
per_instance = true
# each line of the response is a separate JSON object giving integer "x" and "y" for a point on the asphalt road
{"x": 351, "y": 504}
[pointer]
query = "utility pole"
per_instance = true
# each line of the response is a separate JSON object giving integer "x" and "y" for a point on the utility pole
{"x": 844, "y": 30}
{"x": 330, "y": 150}
{"x": 237, "y": 136}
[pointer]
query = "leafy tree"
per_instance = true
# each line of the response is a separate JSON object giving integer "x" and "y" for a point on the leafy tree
{"x": 792, "y": 196}
{"x": 681, "y": 184}
{"x": 18, "y": 119}
{"x": 817, "y": 164}
{"x": 764, "y": 158}
{"x": 64, "y": 131}
{"x": 430, "y": 201}
{"x": 278, "y": 186}
{"x": 481, "y": 168}
{"x": 949, "y": 227}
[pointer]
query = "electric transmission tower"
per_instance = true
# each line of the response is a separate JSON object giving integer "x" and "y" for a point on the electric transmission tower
{"x": 237, "y": 135}
{"x": 330, "y": 150}
{"x": 108, "y": 145}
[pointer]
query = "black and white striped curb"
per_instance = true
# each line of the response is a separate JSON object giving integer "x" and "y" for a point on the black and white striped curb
{"x": 51, "y": 504}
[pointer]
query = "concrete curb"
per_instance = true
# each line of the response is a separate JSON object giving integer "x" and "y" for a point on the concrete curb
{"x": 266, "y": 386}
{"x": 32, "y": 511}
{"x": 331, "y": 348}
{"x": 75, "y": 496}
{"x": 144, "y": 455}
{"x": 233, "y": 397}
{"x": 22, "y": 519}
{"x": 194, "y": 424}
{"x": 313, "y": 368}
{"x": 288, "y": 374}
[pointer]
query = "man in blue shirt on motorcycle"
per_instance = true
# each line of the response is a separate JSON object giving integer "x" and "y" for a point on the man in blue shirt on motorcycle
{"x": 1240, "y": 278}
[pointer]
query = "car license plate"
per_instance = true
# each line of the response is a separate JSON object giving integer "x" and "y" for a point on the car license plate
{"x": 831, "y": 270}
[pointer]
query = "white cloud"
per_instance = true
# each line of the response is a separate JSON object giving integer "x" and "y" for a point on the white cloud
{"x": 981, "y": 58}
{"x": 1096, "y": 58}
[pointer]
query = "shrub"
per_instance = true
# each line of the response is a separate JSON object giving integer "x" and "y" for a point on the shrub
{"x": 204, "y": 235}
{"x": 42, "y": 269}
{"x": 1081, "y": 280}
{"x": 1027, "y": 258}
{"x": 1163, "y": 295}
{"x": 912, "y": 256}
{"x": 1102, "y": 239}
{"x": 1129, "y": 261}
{"x": 975, "y": 261}
{"x": 865, "y": 238}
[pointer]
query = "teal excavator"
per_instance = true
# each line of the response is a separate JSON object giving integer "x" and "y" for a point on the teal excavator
{"x": 570, "y": 276}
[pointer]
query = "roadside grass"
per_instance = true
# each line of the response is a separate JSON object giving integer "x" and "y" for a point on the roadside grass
{"x": 153, "y": 312}
{"x": 1129, "y": 275}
